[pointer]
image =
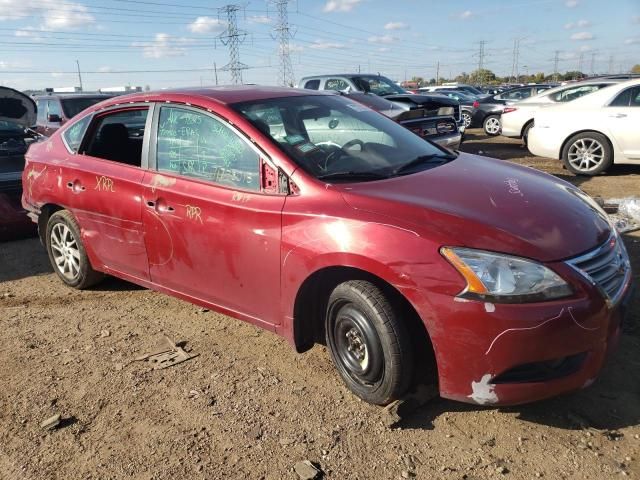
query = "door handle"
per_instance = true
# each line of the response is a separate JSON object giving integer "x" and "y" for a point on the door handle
{"x": 151, "y": 204}
{"x": 159, "y": 206}
{"x": 618, "y": 115}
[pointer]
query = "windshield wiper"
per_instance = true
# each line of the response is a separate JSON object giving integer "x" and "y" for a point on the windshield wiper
{"x": 355, "y": 175}
{"x": 435, "y": 158}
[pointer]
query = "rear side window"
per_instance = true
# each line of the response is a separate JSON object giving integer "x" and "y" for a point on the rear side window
{"x": 336, "y": 84}
{"x": 574, "y": 92}
{"x": 312, "y": 85}
{"x": 197, "y": 145}
{"x": 42, "y": 112}
{"x": 118, "y": 136}
{"x": 54, "y": 108}
{"x": 73, "y": 135}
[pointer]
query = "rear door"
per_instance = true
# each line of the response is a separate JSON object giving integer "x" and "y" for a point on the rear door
{"x": 104, "y": 183}
{"x": 623, "y": 119}
{"x": 212, "y": 229}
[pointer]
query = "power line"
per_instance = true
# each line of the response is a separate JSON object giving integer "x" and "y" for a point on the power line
{"x": 283, "y": 34}
{"x": 232, "y": 38}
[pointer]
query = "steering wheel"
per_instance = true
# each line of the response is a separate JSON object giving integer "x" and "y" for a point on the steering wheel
{"x": 353, "y": 143}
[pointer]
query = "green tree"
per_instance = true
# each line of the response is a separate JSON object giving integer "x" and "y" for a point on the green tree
{"x": 636, "y": 68}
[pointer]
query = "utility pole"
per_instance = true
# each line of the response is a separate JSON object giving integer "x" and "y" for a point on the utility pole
{"x": 555, "y": 65}
{"x": 282, "y": 33}
{"x": 514, "y": 68}
{"x": 610, "y": 64}
{"x": 593, "y": 62}
{"x": 79, "y": 75}
{"x": 580, "y": 62}
{"x": 481, "y": 56}
{"x": 438, "y": 73}
{"x": 215, "y": 71}
{"x": 232, "y": 38}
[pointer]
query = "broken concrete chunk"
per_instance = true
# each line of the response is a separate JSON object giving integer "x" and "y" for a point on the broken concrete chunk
{"x": 306, "y": 470}
{"x": 52, "y": 422}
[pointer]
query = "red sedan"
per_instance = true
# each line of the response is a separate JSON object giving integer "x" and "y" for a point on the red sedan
{"x": 319, "y": 219}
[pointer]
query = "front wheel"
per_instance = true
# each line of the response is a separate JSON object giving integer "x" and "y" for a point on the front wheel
{"x": 587, "y": 153}
{"x": 66, "y": 252}
{"x": 466, "y": 119}
{"x": 369, "y": 344}
{"x": 492, "y": 125}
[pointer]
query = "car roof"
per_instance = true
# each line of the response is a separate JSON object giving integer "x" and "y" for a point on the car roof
{"x": 601, "y": 97}
{"x": 225, "y": 94}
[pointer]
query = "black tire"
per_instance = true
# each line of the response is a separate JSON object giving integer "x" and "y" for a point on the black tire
{"x": 66, "y": 252}
{"x": 491, "y": 125}
{"x": 467, "y": 119}
{"x": 525, "y": 133}
{"x": 369, "y": 344}
{"x": 587, "y": 153}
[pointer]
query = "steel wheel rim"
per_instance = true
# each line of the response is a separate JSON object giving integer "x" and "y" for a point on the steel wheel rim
{"x": 466, "y": 119}
{"x": 492, "y": 125}
{"x": 356, "y": 346}
{"x": 65, "y": 251}
{"x": 586, "y": 154}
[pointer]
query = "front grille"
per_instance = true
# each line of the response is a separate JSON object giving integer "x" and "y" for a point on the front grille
{"x": 607, "y": 267}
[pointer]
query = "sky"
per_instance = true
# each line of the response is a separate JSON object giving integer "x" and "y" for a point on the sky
{"x": 171, "y": 43}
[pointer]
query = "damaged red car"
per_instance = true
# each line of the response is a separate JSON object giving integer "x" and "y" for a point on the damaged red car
{"x": 314, "y": 217}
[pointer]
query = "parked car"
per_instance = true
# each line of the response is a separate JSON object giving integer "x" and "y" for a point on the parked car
{"x": 490, "y": 108}
{"x": 518, "y": 119}
{"x": 314, "y": 217}
{"x": 468, "y": 104}
{"x": 383, "y": 87}
{"x": 437, "y": 125}
{"x": 593, "y": 132}
{"x": 56, "y": 109}
{"x": 468, "y": 89}
{"x": 17, "y": 114}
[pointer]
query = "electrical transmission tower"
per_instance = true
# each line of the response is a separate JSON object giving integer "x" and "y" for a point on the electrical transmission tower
{"x": 610, "y": 64}
{"x": 593, "y": 62}
{"x": 282, "y": 33}
{"x": 556, "y": 59}
{"x": 581, "y": 62}
{"x": 481, "y": 55}
{"x": 232, "y": 38}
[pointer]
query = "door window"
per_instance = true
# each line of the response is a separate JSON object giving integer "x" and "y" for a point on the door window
{"x": 312, "y": 85}
{"x": 573, "y": 93}
{"x": 200, "y": 146}
{"x": 336, "y": 84}
{"x": 519, "y": 94}
{"x": 628, "y": 98}
{"x": 118, "y": 136}
{"x": 54, "y": 109}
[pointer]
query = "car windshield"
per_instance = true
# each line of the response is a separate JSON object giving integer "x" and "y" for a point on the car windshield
{"x": 377, "y": 84}
{"x": 334, "y": 138}
{"x": 73, "y": 106}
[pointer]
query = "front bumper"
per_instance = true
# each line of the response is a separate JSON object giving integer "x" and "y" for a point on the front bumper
{"x": 544, "y": 142}
{"x": 508, "y": 354}
{"x": 451, "y": 142}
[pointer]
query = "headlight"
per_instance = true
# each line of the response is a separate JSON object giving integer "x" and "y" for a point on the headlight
{"x": 503, "y": 278}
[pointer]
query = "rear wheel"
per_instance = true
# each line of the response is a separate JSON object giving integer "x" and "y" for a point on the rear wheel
{"x": 466, "y": 119}
{"x": 492, "y": 125}
{"x": 525, "y": 133}
{"x": 66, "y": 252}
{"x": 587, "y": 153}
{"x": 369, "y": 344}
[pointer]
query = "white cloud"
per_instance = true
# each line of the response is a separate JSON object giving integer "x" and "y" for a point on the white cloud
{"x": 632, "y": 41}
{"x": 383, "y": 39}
{"x": 340, "y": 5}
{"x": 259, "y": 19}
{"x": 396, "y": 26}
{"x": 295, "y": 48}
{"x": 578, "y": 24}
{"x": 56, "y": 16}
{"x": 105, "y": 69}
{"x": 29, "y": 32}
{"x": 322, "y": 45}
{"x": 163, "y": 45}
{"x": 572, "y": 3}
{"x": 384, "y": 49}
{"x": 466, "y": 15}
{"x": 206, "y": 25}
{"x": 586, "y": 48}
{"x": 582, "y": 36}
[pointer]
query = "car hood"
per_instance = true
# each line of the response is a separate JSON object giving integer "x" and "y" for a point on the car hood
{"x": 488, "y": 204}
{"x": 16, "y": 107}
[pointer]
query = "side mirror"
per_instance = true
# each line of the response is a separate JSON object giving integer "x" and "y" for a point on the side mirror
{"x": 54, "y": 118}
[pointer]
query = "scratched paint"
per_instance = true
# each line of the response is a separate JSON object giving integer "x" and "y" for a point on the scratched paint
{"x": 514, "y": 186}
{"x": 161, "y": 181}
{"x": 32, "y": 176}
{"x": 104, "y": 184}
{"x": 194, "y": 213}
{"x": 483, "y": 392}
{"x": 240, "y": 197}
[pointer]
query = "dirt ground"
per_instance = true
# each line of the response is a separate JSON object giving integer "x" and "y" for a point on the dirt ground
{"x": 249, "y": 407}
